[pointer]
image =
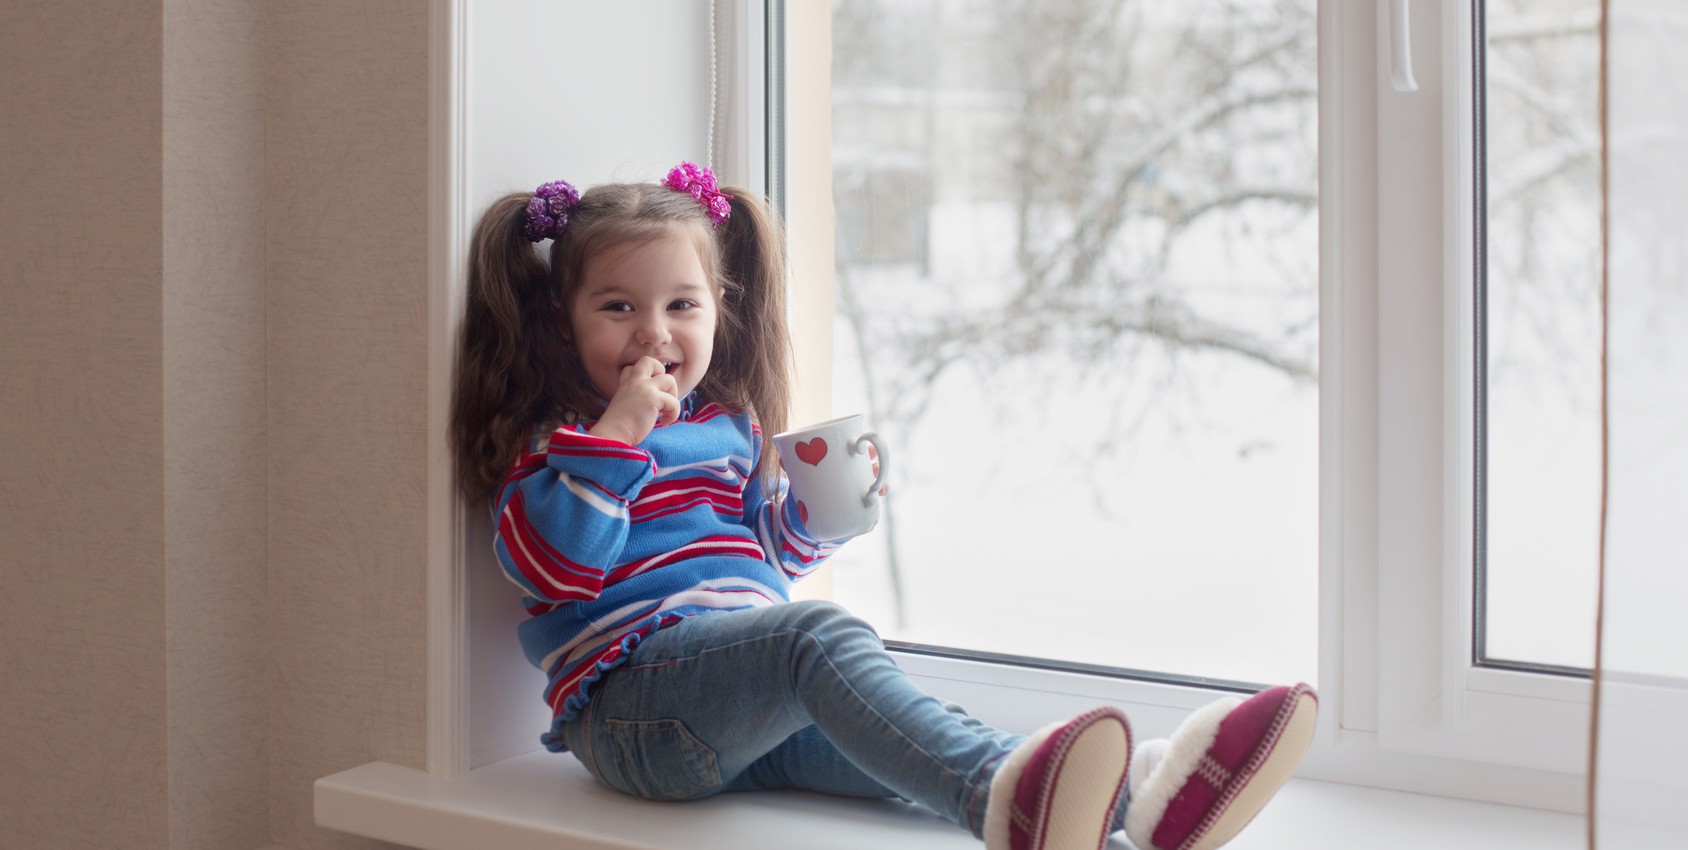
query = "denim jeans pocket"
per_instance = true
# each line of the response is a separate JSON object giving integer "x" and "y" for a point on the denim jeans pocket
{"x": 662, "y": 760}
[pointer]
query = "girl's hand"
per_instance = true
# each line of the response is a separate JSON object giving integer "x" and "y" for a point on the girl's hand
{"x": 646, "y": 397}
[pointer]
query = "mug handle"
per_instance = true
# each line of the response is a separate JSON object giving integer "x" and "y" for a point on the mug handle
{"x": 872, "y": 494}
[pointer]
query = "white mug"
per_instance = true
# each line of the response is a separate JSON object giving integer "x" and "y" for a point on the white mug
{"x": 837, "y": 470}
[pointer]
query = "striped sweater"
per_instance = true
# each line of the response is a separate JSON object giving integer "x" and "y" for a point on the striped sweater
{"x": 610, "y": 542}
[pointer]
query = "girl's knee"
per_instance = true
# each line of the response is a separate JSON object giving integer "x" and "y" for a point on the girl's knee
{"x": 817, "y": 608}
{"x": 823, "y": 616}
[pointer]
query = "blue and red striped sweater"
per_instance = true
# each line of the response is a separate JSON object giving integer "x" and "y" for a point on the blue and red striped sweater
{"x": 611, "y": 542}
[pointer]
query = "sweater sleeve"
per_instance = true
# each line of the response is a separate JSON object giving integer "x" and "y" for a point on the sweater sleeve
{"x": 561, "y": 519}
{"x": 778, "y": 528}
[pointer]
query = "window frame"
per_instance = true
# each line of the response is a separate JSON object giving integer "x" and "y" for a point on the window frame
{"x": 1404, "y": 707}
{"x": 1431, "y": 696}
{"x": 448, "y": 555}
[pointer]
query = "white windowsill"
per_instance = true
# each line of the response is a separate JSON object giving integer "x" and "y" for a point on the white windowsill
{"x": 540, "y": 800}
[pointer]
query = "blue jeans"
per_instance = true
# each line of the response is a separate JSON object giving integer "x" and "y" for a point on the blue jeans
{"x": 800, "y": 695}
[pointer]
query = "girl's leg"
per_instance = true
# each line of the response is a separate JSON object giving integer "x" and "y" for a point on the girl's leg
{"x": 809, "y": 761}
{"x": 703, "y": 701}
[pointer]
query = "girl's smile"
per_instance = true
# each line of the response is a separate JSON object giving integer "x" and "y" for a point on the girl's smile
{"x": 645, "y": 299}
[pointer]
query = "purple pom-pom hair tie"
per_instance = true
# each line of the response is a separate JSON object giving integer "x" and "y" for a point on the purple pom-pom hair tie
{"x": 548, "y": 210}
{"x": 699, "y": 182}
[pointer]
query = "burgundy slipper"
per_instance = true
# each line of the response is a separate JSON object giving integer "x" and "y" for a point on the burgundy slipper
{"x": 1059, "y": 789}
{"x": 1222, "y": 766}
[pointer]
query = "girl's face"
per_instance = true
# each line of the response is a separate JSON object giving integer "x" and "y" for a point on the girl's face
{"x": 645, "y": 299}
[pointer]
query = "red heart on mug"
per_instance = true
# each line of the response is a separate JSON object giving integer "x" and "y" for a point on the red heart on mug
{"x": 803, "y": 513}
{"x": 812, "y": 451}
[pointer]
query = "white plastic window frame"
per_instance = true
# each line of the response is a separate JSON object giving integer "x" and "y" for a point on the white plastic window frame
{"x": 1402, "y": 705}
{"x": 1400, "y": 218}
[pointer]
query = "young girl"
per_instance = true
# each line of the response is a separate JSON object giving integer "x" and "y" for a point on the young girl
{"x": 613, "y": 405}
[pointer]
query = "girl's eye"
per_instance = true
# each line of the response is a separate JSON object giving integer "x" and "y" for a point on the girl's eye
{"x": 618, "y": 307}
{"x": 683, "y": 304}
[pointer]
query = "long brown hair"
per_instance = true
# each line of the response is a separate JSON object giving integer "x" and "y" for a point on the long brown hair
{"x": 516, "y": 370}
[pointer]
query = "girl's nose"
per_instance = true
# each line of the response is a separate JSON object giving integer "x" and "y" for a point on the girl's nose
{"x": 652, "y": 332}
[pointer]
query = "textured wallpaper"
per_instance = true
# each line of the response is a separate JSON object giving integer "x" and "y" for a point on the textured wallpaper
{"x": 346, "y": 88}
{"x": 82, "y": 708}
{"x": 213, "y": 291}
{"x": 214, "y": 521}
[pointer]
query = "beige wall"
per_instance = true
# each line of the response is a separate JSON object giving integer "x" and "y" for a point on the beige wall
{"x": 213, "y": 292}
{"x": 82, "y": 661}
{"x": 347, "y": 305}
{"x": 213, "y": 357}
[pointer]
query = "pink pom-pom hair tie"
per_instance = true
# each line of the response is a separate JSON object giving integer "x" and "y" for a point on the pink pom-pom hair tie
{"x": 699, "y": 182}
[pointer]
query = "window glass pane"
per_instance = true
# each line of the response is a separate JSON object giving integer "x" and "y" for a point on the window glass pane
{"x": 1542, "y": 71}
{"x": 1078, "y": 294}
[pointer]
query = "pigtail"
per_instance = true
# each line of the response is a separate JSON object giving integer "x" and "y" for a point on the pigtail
{"x": 508, "y": 350}
{"x": 756, "y": 343}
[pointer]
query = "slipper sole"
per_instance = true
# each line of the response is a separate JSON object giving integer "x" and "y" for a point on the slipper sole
{"x": 1079, "y": 809}
{"x": 1082, "y": 768}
